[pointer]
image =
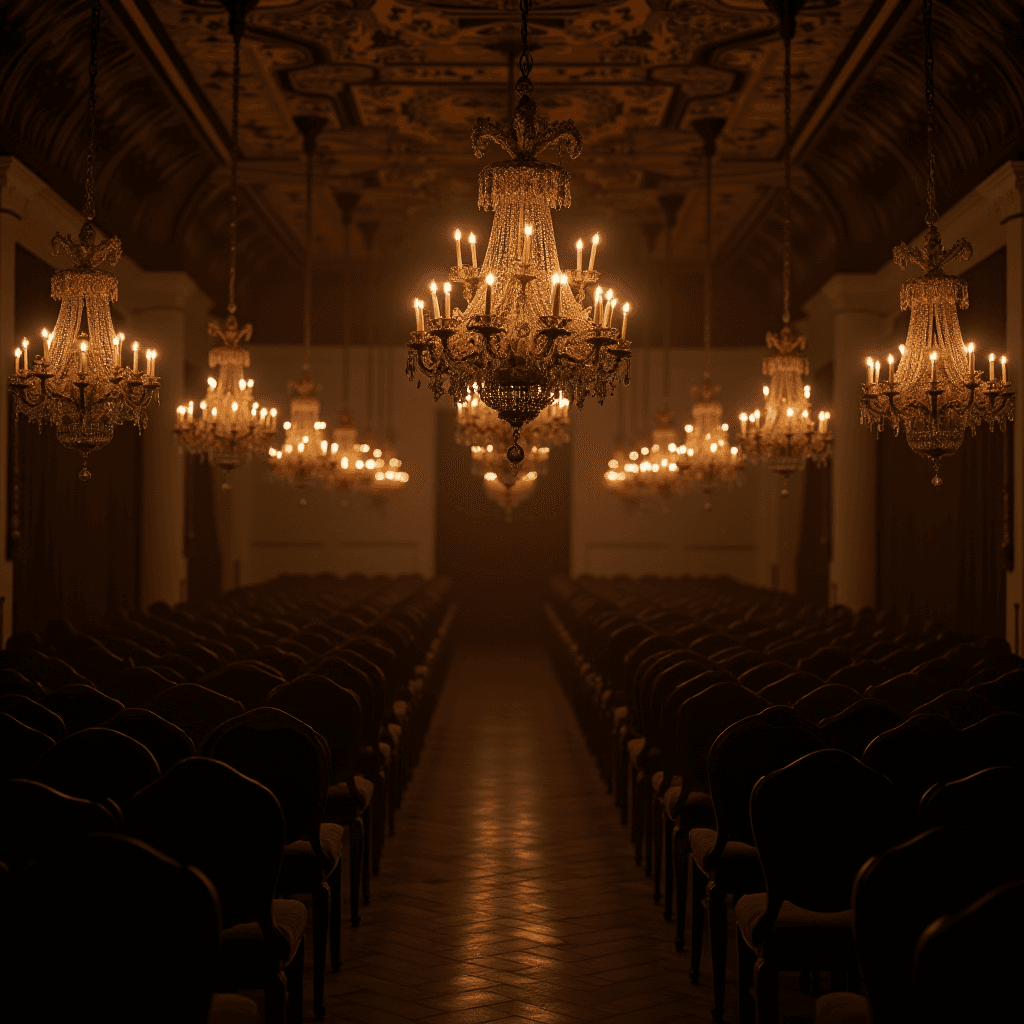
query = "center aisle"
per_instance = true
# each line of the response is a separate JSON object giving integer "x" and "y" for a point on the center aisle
{"x": 509, "y": 892}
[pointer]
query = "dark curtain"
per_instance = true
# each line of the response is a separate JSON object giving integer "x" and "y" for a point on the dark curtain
{"x": 941, "y": 552}
{"x": 501, "y": 569}
{"x": 75, "y": 545}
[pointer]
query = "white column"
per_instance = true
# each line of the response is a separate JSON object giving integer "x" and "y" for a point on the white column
{"x": 164, "y": 310}
{"x": 861, "y": 312}
{"x": 1005, "y": 190}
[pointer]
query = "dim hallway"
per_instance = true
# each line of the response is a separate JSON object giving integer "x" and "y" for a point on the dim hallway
{"x": 509, "y": 892}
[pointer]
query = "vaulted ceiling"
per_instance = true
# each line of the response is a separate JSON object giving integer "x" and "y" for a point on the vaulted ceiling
{"x": 401, "y": 83}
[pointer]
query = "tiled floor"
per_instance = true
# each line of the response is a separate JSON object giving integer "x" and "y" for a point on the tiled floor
{"x": 509, "y": 892}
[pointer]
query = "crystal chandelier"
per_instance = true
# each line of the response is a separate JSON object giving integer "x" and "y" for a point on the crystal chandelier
{"x": 381, "y": 460}
{"x": 77, "y": 382}
{"x": 712, "y": 457}
{"x": 306, "y": 457}
{"x": 478, "y": 427}
{"x": 935, "y": 392}
{"x": 349, "y": 469}
{"x": 652, "y": 468}
{"x": 786, "y": 436}
{"x": 511, "y": 494}
{"x": 229, "y": 425}
{"x": 524, "y": 336}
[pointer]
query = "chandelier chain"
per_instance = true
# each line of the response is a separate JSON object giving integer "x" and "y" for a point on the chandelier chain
{"x": 669, "y": 219}
{"x": 307, "y": 298}
{"x": 238, "y": 26}
{"x": 708, "y": 157}
{"x": 524, "y": 86}
{"x": 929, "y": 100}
{"x": 787, "y": 227}
{"x": 90, "y": 159}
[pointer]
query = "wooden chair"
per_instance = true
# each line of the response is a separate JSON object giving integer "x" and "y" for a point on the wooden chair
{"x": 1007, "y": 691}
{"x": 815, "y": 822}
{"x": 824, "y": 702}
{"x": 164, "y": 740}
{"x": 293, "y": 761}
{"x": 142, "y": 932}
{"x": 789, "y": 689}
{"x": 194, "y": 709}
{"x": 97, "y": 764}
{"x": 41, "y": 822}
{"x": 981, "y": 942}
{"x": 21, "y": 747}
{"x": 1002, "y": 737}
{"x": 757, "y": 678}
{"x": 825, "y": 662}
{"x": 136, "y": 687}
{"x": 14, "y": 682}
{"x": 989, "y": 801}
{"x": 287, "y": 663}
{"x": 81, "y": 706}
{"x": 853, "y": 729}
{"x": 207, "y": 814}
{"x": 725, "y": 860}
{"x": 905, "y": 692}
{"x": 859, "y": 676}
{"x": 335, "y": 713}
{"x": 961, "y": 707}
{"x": 33, "y": 714}
{"x": 248, "y": 684}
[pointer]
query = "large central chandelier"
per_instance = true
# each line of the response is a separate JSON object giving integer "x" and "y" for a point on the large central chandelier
{"x": 935, "y": 392}
{"x": 524, "y": 336}
{"x": 786, "y": 435}
{"x": 305, "y": 458}
{"x": 78, "y": 382}
{"x": 229, "y": 425}
{"x": 712, "y": 458}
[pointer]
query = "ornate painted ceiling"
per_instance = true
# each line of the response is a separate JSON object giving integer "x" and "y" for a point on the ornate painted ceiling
{"x": 401, "y": 83}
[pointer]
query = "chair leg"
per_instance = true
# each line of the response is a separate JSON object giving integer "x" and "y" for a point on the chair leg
{"x": 658, "y": 841}
{"x": 766, "y": 989}
{"x": 393, "y": 792}
{"x": 648, "y": 809}
{"x": 321, "y": 916}
{"x": 745, "y": 958}
{"x": 355, "y": 863}
{"x": 380, "y": 797}
{"x": 368, "y": 832}
{"x": 293, "y": 974}
{"x": 681, "y": 850}
{"x": 718, "y": 929}
{"x": 668, "y": 828}
{"x": 274, "y": 993}
{"x": 700, "y": 883}
{"x": 334, "y": 882}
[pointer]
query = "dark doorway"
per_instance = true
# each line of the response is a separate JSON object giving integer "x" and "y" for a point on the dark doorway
{"x": 75, "y": 545}
{"x": 500, "y": 568}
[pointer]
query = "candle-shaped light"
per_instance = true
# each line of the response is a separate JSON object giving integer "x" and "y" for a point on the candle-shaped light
{"x": 606, "y": 317}
{"x": 135, "y": 357}
{"x": 191, "y": 411}
{"x": 554, "y": 291}
{"x": 764, "y": 391}
{"x": 579, "y": 255}
{"x": 527, "y": 239}
{"x": 83, "y": 356}
{"x": 598, "y": 293}
{"x": 118, "y": 338}
{"x": 625, "y": 320}
{"x": 891, "y": 361}
{"x": 433, "y": 299}
{"x": 593, "y": 250}
{"x": 743, "y": 424}
{"x": 871, "y": 369}
{"x": 807, "y": 391}
{"x": 17, "y": 360}
{"x": 934, "y": 357}
{"x": 472, "y": 248}
{"x": 489, "y": 281}
{"x": 563, "y": 279}
{"x": 48, "y": 338}
{"x": 24, "y": 348}
{"x": 447, "y": 300}
{"x": 1002, "y": 362}
{"x": 878, "y": 373}
{"x": 458, "y": 248}
{"x": 991, "y": 366}
{"x": 610, "y": 312}
{"x": 970, "y": 358}
{"x": 821, "y": 416}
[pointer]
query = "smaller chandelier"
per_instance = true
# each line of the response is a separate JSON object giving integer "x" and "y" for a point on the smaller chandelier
{"x": 936, "y": 392}
{"x": 651, "y": 468}
{"x": 350, "y": 468}
{"x": 305, "y": 458}
{"x": 712, "y": 457}
{"x": 387, "y": 475}
{"x": 510, "y": 494}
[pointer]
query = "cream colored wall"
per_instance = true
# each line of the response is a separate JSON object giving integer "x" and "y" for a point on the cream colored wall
{"x": 267, "y": 532}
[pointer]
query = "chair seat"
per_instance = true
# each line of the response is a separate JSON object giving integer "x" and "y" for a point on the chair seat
{"x": 806, "y": 938}
{"x": 342, "y": 806}
{"x": 842, "y": 1008}
{"x": 228, "y": 1008}
{"x": 737, "y": 870}
{"x": 243, "y": 948}
{"x": 301, "y": 868}
{"x": 635, "y": 748}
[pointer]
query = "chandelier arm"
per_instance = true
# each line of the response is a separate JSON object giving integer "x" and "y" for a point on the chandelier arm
{"x": 90, "y": 159}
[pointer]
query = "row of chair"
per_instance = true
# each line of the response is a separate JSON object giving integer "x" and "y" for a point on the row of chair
{"x": 247, "y": 765}
{"x": 693, "y": 694}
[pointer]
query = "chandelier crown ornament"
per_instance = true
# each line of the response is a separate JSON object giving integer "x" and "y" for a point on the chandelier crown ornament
{"x": 526, "y": 334}
{"x": 229, "y": 425}
{"x": 788, "y": 434}
{"x": 935, "y": 392}
{"x": 78, "y": 383}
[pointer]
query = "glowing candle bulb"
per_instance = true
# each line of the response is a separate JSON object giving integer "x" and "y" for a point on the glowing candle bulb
{"x": 991, "y": 366}
{"x": 527, "y": 239}
{"x": 625, "y": 320}
{"x": 593, "y": 249}
{"x": 433, "y": 299}
{"x": 891, "y": 361}
{"x": 970, "y": 358}
{"x": 472, "y": 248}
{"x": 48, "y": 338}
{"x": 934, "y": 358}
{"x": 579, "y": 255}
{"x": 24, "y": 348}
{"x": 447, "y": 300}
{"x": 878, "y": 367}
{"x": 743, "y": 424}
{"x": 871, "y": 369}
{"x": 489, "y": 280}
{"x": 135, "y": 357}
{"x": 118, "y": 338}
{"x": 764, "y": 391}
{"x": 1002, "y": 362}
{"x": 458, "y": 248}
{"x": 234, "y": 407}
{"x": 598, "y": 293}
{"x": 609, "y": 311}
{"x": 83, "y": 356}
{"x": 807, "y": 391}
{"x": 17, "y": 360}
